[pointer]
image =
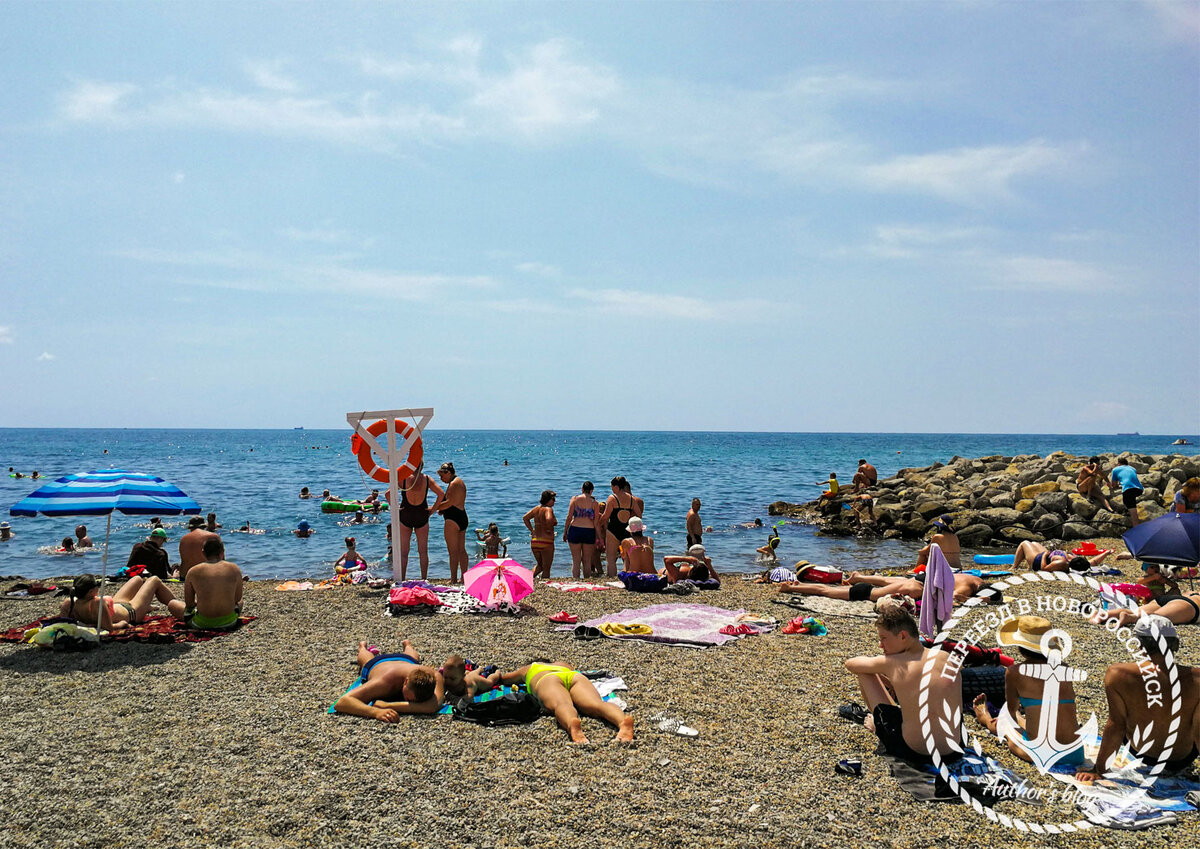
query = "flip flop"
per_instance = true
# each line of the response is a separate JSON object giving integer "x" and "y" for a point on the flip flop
{"x": 853, "y": 712}
{"x": 564, "y": 618}
{"x": 673, "y": 726}
{"x": 587, "y": 632}
{"x": 849, "y": 766}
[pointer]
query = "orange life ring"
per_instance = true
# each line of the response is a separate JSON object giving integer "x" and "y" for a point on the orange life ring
{"x": 366, "y": 458}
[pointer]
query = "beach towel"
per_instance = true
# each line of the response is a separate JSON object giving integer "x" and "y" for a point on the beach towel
{"x": 937, "y": 598}
{"x": 155, "y": 629}
{"x": 579, "y": 586}
{"x": 1124, "y": 775}
{"x": 694, "y": 625}
{"x": 829, "y": 606}
{"x": 983, "y": 778}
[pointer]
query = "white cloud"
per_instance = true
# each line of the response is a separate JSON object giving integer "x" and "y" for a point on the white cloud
{"x": 967, "y": 175}
{"x": 249, "y": 271}
{"x": 909, "y": 241}
{"x": 1180, "y": 20}
{"x": 95, "y": 101}
{"x": 539, "y": 269}
{"x": 178, "y": 177}
{"x": 45, "y": 356}
{"x": 6, "y": 337}
{"x": 650, "y": 305}
{"x": 269, "y": 75}
{"x": 324, "y": 236}
{"x": 1050, "y": 274}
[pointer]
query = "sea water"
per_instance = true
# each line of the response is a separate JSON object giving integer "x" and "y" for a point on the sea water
{"x": 255, "y": 476}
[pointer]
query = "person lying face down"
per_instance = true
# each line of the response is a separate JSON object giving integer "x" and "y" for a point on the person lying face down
{"x": 696, "y": 566}
{"x": 859, "y": 587}
{"x": 566, "y": 693}
{"x": 396, "y": 683}
{"x": 461, "y": 683}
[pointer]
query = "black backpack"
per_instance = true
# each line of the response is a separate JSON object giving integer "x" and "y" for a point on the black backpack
{"x": 508, "y": 709}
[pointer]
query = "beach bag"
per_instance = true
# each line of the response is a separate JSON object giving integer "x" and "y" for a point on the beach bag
{"x": 819, "y": 575}
{"x": 507, "y": 709}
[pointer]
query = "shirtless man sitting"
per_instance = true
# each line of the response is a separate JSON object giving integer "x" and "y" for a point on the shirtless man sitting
{"x": 1130, "y": 687}
{"x": 696, "y": 566}
{"x": 384, "y": 677}
{"x": 1088, "y": 482}
{"x": 900, "y": 667}
{"x": 946, "y": 539}
{"x": 212, "y": 590}
{"x": 865, "y": 477}
{"x": 191, "y": 545}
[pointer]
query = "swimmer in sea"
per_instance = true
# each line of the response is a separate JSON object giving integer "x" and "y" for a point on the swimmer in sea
{"x": 5, "y": 532}
{"x": 304, "y": 493}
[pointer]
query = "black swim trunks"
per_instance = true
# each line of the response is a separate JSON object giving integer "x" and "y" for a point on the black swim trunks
{"x": 1163, "y": 599}
{"x": 860, "y": 592}
{"x": 581, "y": 535}
{"x": 695, "y": 539}
{"x": 457, "y": 515}
{"x": 889, "y": 726}
{"x": 1130, "y": 497}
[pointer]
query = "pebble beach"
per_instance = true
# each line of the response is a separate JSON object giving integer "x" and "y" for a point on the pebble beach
{"x": 228, "y": 743}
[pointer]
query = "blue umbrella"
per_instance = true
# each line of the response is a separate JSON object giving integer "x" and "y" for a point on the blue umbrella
{"x": 102, "y": 492}
{"x": 1173, "y": 540}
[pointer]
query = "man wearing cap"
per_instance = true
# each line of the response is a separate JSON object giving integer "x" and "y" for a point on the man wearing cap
{"x": 1140, "y": 698}
{"x": 150, "y": 555}
{"x": 191, "y": 545}
{"x": 696, "y": 566}
{"x": 943, "y": 536}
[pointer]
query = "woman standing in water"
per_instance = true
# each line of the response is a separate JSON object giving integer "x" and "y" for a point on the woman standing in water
{"x": 581, "y": 528}
{"x": 620, "y": 507}
{"x": 541, "y": 533}
{"x": 452, "y": 507}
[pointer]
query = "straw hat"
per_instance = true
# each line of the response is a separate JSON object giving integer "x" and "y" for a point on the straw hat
{"x": 1025, "y": 632}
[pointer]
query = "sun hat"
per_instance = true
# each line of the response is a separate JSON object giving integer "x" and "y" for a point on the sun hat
{"x": 158, "y": 533}
{"x": 942, "y": 522}
{"x": 696, "y": 550}
{"x": 4, "y": 524}
{"x": 303, "y": 526}
{"x": 1024, "y": 632}
{"x": 1154, "y": 625}
{"x": 636, "y": 525}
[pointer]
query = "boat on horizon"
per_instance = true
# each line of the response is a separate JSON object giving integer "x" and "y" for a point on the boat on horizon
{"x": 1135, "y": 433}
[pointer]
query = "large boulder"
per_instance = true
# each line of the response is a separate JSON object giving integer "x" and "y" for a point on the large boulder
{"x": 1054, "y": 502}
{"x": 1078, "y": 530}
{"x": 975, "y": 535}
{"x": 1024, "y": 505}
{"x": 1047, "y": 525}
{"x": 1004, "y": 500}
{"x": 999, "y": 517}
{"x": 1038, "y": 488}
{"x": 1015, "y": 534}
{"x": 1148, "y": 510}
{"x": 1083, "y": 508}
{"x": 929, "y": 508}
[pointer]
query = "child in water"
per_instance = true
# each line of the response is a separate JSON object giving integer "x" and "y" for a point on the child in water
{"x": 490, "y": 539}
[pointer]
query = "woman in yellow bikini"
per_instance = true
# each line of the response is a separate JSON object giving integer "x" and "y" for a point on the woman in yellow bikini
{"x": 541, "y": 533}
{"x": 566, "y": 694}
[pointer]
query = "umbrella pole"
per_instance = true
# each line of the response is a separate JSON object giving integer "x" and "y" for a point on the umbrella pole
{"x": 103, "y": 577}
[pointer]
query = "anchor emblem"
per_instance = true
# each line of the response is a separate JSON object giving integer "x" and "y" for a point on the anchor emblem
{"x": 1045, "y": 750}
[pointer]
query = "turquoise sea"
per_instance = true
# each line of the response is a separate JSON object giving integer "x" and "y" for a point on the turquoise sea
{"x": 255, "y": 476}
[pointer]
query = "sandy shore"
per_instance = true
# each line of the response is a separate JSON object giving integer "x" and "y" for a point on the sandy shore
{"x": 228, "y": 743}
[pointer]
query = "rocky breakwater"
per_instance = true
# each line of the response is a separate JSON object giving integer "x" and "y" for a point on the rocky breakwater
{"x": 1000, "y": 501}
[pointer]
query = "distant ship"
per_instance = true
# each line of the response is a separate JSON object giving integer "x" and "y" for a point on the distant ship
{"x": 297, "y": 428}
{"x": 1135, "y": 433}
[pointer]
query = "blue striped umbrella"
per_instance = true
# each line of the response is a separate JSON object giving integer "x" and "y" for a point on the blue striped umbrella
{"x": 99, "y": 494}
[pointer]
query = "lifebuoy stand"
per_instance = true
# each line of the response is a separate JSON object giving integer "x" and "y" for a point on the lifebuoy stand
{"x": 394, "y": 457}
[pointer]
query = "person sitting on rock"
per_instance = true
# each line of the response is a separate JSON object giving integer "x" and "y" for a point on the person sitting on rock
{"x": 865, "y": 477}
{"x": 832, "y": 483}
{"x": 1174, "y": 732}
{"x": 943, "y": 536}
{"x": 1088, "y": 482}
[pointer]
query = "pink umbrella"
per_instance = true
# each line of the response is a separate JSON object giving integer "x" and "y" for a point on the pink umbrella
{"x": 493, "y": 580}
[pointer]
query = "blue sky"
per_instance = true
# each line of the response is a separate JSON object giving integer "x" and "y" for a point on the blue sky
{"x": 681, "y": 216}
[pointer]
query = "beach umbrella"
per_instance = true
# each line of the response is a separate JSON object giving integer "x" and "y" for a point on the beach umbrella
{"x": 1172, "y": 540}
{"x": 494, "y": 579}
{"x": 100, "y": 494}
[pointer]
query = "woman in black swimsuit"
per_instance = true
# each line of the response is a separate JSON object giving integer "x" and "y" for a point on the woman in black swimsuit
{"x": 618, "y": 509}
{"x": 414, "y": 516}
{"x": 453, "y": 509}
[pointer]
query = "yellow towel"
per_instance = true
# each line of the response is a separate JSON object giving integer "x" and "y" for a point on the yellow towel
{"x": 622, "y": 629}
